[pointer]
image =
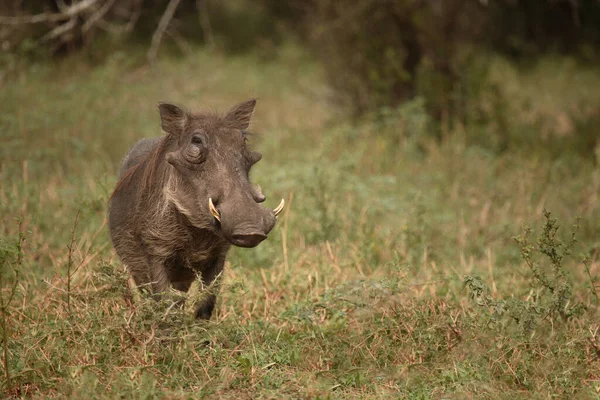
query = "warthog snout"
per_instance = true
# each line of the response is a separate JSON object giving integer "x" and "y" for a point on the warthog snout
{"x": 247, "y": 239}
{"x": 244, "y": 224}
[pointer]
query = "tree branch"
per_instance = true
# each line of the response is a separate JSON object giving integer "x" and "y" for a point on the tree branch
{"x": 99, "y": 14}
{"x": 69, "y": 13}
{"x": 205, "y": 23}
{"x": 160, "y": 30}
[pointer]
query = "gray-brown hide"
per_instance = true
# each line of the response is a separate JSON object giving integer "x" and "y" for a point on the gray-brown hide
{"x": 160, "y": 220}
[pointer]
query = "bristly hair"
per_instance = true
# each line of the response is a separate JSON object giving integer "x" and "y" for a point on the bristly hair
{"x": 154, "y": 159}
{"x": 126, "y": 176}
{"x": 151, "y": 163}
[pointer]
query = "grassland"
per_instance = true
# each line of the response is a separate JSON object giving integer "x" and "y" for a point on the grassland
{"x": 394, "y": 272}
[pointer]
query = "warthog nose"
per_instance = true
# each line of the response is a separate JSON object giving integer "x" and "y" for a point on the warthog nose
{"x": 247, "y": 240}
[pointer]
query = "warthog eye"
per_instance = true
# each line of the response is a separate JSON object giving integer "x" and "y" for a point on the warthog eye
{"x": 197, "y": 139}
{"x": 196, "y": 151}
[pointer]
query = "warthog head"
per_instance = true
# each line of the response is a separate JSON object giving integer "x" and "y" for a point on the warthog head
{"x": 209, "y": 182}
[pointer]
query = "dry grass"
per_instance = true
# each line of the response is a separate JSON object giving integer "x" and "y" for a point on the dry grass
{"x": 359, "y": 291}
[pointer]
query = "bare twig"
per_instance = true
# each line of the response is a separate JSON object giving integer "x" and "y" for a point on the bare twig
{"x": 205, "y": 24}
{"x": 593, "y": 341}
{"x": 70, "y": 263}
{"x": 586, "y": 265}
{"x": 4, "y": 334}
{"x": 179, "y": 40}
{"x": 60, "y": 30}
{"x": 20, "y": 240}
{"x": 97, "y": 16}
{"x": 160, "y": 30}
{"x": 67, "y": 13}
{"x": 127, "y": 27}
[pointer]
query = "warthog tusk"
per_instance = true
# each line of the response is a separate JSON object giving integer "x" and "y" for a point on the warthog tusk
{"x": 278, "y": 209}
{"x": 213, "y": 210}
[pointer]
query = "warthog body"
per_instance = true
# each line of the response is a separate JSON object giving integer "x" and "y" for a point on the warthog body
{"x": 184, "y": 198}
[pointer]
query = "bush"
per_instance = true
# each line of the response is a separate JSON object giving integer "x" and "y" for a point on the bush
{"x": 551, "y": 299}
{"x": 374, "y": 52}
{"x": 381, "y": 53}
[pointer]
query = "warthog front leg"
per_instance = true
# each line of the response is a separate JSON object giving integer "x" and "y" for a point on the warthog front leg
{"x": 206, "y": 309}
{"x": 152, "y": 276}
{"x": 211, "y": 277}
{"x": 158, "y": 274}
{"x": 148, "y": 274}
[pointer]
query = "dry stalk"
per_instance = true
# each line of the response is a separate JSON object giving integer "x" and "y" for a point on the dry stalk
{"x": 67, "y": 13}
{"x": 70, "y": 263}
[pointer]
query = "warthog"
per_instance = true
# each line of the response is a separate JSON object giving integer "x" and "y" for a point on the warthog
{"x": 184, "y": 198}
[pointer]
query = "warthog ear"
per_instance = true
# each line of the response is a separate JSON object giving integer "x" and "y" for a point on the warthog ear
{"x": 172, "y": 118}
{"x": 239, "y": 116}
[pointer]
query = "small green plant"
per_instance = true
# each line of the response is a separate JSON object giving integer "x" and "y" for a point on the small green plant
{"x": 551, "y": 293}
{"x": 555, "y": 281}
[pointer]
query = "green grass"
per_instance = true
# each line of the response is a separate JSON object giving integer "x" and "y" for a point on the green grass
{"x": 393, "y": 273}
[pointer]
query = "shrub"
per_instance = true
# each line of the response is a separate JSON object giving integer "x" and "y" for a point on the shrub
{"x": 551, "y": 297}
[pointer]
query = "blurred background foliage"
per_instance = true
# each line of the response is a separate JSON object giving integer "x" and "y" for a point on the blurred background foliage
{"x": 376, "y": 54}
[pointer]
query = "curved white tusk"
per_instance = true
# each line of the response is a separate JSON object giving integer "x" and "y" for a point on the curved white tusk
{"x": 213, "y": 210}
{"x": 278, "y": 209}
